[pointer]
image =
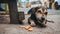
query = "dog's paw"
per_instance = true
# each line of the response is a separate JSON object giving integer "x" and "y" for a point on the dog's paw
{"x": 52, "y": 21}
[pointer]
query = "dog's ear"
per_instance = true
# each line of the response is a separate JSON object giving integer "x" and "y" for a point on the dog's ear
{"x": 36, "y": 9}
{"x": 31, "y": 11}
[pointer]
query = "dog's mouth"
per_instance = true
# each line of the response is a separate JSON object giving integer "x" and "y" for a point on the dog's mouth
{"x": 41, "y": 19}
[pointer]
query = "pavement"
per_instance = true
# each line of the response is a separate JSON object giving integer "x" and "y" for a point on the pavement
{"x": 52, "y": 28}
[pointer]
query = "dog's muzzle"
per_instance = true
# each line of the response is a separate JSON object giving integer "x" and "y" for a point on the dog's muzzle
{"x": 41, "y": 19}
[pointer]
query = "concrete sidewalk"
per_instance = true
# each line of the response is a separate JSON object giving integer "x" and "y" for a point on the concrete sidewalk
{"x": 14, "y": 29}
{"x": 52, "y": 28}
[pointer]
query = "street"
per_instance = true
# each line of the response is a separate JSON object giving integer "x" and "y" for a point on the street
{"x": 52, "y": 28}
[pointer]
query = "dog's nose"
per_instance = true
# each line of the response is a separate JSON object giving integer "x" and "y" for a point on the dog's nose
{"x": 42, "y": 18}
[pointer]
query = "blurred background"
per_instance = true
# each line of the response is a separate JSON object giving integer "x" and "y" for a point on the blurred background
{"x": 26, "y": 5}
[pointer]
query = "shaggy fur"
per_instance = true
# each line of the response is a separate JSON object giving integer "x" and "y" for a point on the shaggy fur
{"x": 33, "y": 18}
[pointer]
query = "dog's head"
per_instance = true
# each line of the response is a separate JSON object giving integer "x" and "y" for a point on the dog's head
{"x": 41, "y": 14}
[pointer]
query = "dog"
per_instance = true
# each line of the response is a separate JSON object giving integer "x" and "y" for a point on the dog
{"x": 38, "y": 17}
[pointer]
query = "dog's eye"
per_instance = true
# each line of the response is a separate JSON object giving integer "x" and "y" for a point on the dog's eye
{"x": 39, "y": 11}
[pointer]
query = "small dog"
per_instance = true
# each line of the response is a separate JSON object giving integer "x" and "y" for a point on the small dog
{"x": 38, "y": 17}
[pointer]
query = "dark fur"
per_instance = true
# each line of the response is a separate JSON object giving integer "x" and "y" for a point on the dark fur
{"x": 33, "y": 17}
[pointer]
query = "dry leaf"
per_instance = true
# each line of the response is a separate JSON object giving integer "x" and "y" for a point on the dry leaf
{"x": 27, "y": 27}
{"x": 30, "y": 29}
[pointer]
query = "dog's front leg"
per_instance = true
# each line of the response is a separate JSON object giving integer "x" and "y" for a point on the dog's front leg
{"x": 50, "y": 21}
{"x": 32, "y": 23}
